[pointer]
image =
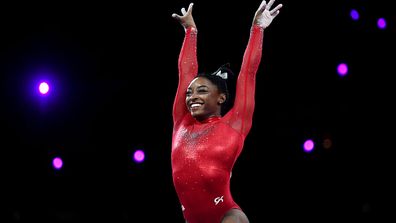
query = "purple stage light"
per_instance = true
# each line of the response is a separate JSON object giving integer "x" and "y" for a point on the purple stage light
{"x": 381, "y": 23}
{"x": 57, "y": 163}
{"x": 138, "y": 156}
{"x": 354, "y": 14}
{"x": 342, "y": 69}
{"x": 43, "y": 87}
{"x": 309, "y": 145}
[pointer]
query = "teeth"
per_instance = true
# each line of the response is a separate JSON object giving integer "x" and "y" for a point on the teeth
{"x": 195, "y": 105}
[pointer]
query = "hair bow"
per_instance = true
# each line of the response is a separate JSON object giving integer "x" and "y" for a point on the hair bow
{"x": 223, "y": 75}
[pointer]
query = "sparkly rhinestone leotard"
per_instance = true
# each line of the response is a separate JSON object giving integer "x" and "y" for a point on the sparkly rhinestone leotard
{"x": 204, "y": 153}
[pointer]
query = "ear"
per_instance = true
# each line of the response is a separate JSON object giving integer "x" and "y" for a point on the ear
{"x": 222, "y": 99}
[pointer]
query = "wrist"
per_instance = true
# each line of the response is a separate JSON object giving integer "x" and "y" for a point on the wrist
{"x": 256, "y": 26}
{"x": 191, "y": 29}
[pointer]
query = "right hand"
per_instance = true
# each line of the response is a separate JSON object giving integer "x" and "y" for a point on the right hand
{"x": 185, "y": 19}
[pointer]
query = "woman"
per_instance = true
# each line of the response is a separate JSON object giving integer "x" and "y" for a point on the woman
{"x": 206, "y": 141}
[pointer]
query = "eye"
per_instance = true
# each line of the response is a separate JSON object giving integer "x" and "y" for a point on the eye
{"x": 202, "y": 90}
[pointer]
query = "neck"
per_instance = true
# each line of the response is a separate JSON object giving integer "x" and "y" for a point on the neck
{"x": 210, "y": 119}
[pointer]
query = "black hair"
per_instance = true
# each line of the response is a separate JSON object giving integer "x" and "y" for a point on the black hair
{"x": 224, "y": 79}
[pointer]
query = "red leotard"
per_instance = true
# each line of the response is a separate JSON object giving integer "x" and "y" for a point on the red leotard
{"x": 204, "y": 153}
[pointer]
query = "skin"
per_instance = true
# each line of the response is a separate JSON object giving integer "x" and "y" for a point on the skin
{"x": 205, "y": 93}
{"x": 203, "y": 99}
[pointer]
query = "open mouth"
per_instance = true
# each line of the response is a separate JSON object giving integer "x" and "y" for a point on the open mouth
{"x": 195, "y": 106}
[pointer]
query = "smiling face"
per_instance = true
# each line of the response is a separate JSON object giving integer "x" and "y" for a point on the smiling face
{"x": 203, "y": 99}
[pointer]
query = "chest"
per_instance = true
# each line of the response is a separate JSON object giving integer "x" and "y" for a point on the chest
{"x": 211, "y": 142}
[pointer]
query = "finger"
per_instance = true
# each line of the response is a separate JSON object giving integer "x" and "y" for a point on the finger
{"x": 276, "y": 9}
{"x": 269, "y": 5}
{"x": 183, "y": 11}
{"x": 190, "y": 7}
{"x": 274, "y": 14}
{"x": 176, "y": 16}
{"x": 262, "y": 6}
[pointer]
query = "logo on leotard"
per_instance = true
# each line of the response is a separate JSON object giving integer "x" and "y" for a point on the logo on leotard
{"x": 217, "y": 200}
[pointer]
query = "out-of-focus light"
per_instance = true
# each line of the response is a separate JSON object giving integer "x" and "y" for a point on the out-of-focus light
{"x": 354, "y": 14}
{"x": 43, "y": 87}
{"x": 309, "y": 145}
{"x": 327, "y": 143}
{"x": 138, "y": 156}
{"x": 57, "y": 163}
{"x": 381, "y": 23}
{"x": 342, "y": 69}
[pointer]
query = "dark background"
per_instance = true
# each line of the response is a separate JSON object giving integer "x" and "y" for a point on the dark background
{"x": 112, "y": 68}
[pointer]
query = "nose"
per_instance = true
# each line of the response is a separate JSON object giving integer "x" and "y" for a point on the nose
{"x": 193, "y": 97}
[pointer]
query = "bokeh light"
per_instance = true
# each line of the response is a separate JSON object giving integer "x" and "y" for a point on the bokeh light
{"x": 138, "y": 156}
{"x": 43, "y": 88}
{"x": 309, "y": 145}
{"x": 57, "y": 163}
{"x": 342, "y": 69}
{"x": 354, "y": 14}
{"x": 381, "y": 23}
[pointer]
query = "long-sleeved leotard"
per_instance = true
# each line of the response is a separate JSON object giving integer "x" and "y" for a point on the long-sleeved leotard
{"x": 204, "y": 153}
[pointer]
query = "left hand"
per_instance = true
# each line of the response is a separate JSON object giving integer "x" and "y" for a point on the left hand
{"x": 264, "y": 15}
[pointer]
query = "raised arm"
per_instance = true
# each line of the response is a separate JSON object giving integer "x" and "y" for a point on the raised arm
{"x": 242, "y": 112}
{"x": 187, "y": 64}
